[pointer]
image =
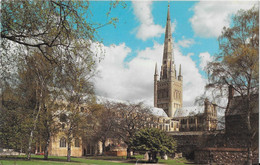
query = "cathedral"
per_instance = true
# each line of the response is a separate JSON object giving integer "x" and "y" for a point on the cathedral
{"x": 168, "y": 94}
{"x": 168, "y": 89}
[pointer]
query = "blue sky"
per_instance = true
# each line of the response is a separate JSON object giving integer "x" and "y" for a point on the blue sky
{"x": 181, "y": 12}
{"x": 134, "y": 46}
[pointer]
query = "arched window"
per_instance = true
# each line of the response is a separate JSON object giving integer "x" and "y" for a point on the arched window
{"x": 76, "y": 142}
{"x": 63, "y": 142}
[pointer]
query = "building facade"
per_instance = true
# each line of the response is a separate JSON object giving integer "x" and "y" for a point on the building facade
{"x": 168, "y": 89}
{"x": 168, "y": 94}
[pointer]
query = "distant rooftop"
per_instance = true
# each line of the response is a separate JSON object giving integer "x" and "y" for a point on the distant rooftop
{"x": 188, "y": 111}
{"x": 158, "y": 112}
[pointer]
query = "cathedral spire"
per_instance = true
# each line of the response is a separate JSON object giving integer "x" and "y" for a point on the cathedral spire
{"x": 156, "y": 71}
{"x": 180, "y": 70}
{"x": 168, "y": 47}
{"x": 180, "y": 76}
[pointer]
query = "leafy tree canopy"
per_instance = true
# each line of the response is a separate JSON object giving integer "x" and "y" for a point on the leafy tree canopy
{"x": 153, "y": 140}
{"x": 237, "y": 64}
{"x": 50, "y": 24}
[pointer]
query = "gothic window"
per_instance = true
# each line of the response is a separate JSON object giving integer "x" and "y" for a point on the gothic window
{"x": 63, "y": 142}
{"x": 76, "y": 142}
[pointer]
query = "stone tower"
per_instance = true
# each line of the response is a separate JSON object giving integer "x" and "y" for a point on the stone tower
{"x": 168, "y": 89}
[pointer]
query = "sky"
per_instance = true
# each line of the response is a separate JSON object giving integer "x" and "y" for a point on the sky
{"x": 131, "y": 49}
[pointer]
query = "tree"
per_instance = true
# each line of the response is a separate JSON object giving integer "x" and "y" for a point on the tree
{"x": 237, "y": 64}
{"x": 131, "y": 118}
{"x": 104, "y": 123}
{"x": 76, "y": 91}
{"x": 36, "y": 77}
{"x": 59, "y": 32}
{"x": 154, "y": 141}
{"x": 48, "y": 25}
{"x": 13, "y": 121}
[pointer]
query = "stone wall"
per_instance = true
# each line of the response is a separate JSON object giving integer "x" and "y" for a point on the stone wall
{"x": 224, "y": 146}
{"x": 230, "y": 156}
{"x": 235, "y": 124}
{"x": 188, "y": 142}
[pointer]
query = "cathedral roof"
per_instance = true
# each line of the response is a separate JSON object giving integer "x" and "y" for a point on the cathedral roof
{"x": 189, "y": 111}
{"x": 158, "y": 112}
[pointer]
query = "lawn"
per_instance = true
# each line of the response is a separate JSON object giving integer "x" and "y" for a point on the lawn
{"x": 38, "y": 160}
{"x": 97, "y": 160}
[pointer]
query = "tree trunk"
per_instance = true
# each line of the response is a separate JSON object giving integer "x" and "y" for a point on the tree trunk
{"x": 150, "y": 157}
{"x": 46, "y": 149}
{"x": 48, "y": 138}
{"x": 249, "y": 133}
{"x": 31, "y": 134}
{"x": 38, "y": 108}
{"x": 103, "y": 147}
{"x": 69, "y": 151}
{"x": 30, "y": 145}
{"x": 69, "y": 145}
{"x": 155, "y": 160}
{"x": 128, "y": 156}
{"x": 249, "y": 157}
{"x": 249, "y": 150}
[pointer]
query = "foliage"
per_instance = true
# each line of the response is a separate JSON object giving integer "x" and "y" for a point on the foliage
{"x": 153, "y": 140}
{"x": 131, "y": 118}
{"x": 49, "y": 25}
{"x": 14, "y": 121}
{"x": 47, "y": 64}
{"x": 103, "y": 122}
{"x": 237, "y": 66}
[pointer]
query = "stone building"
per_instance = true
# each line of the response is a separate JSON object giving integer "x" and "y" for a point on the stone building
{"x": 196, "y": 128}
{"x": 168, "y": 94}
{"x": 59, "y": 143}
{"x": 168, "y": 89}
{"x": 204, "y": 120}
{"x": 231, "y": 145}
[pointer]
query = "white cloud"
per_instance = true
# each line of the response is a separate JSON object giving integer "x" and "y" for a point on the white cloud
{"x": 173, "y": 26}
{"x": 185, "y": 43}
{"x": 147, "y": 29}
{"x": 204, "y": 59}
{"x": 211, "y": 16}
{"x": 193, "y": 82}
{"x": 135, "y": 82}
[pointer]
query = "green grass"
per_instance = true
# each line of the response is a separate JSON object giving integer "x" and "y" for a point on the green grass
{"x": 179, "y": 161}
{"x": 94, "y": 160}
{"x": 55, "y": 160}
